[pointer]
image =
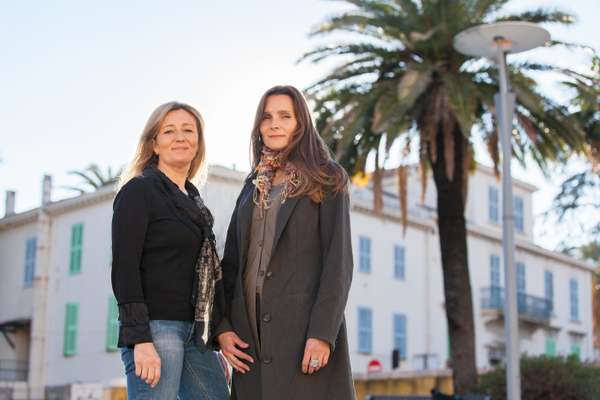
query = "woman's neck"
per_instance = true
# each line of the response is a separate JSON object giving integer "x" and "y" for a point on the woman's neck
{"x": 177, "y": 175}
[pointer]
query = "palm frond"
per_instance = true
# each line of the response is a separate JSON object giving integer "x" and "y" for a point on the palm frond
{"x": 540, "y": 15}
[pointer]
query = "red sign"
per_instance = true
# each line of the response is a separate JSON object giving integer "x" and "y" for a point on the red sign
{"x": 374, "y": 366}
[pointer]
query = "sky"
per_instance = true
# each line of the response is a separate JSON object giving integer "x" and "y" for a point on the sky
{"x": 78, "y": 80}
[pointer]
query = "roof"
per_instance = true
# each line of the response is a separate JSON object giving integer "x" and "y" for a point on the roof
{"x": 215, "y": 172}
{"x": 484, "y": 169}
{"x": 359, "y": 203}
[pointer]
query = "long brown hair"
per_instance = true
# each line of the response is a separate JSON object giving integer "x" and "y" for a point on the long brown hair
{"x": 306, "y": 150}
{"x": 144, "y": 154}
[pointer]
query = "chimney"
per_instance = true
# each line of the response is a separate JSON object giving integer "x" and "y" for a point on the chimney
{"x": 9, "y": 205}
{"x": 47, "y": 190}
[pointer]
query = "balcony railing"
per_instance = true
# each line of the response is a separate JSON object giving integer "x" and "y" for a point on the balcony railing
{"x": 13, "y": 370}
{"x": 530, "y": 307}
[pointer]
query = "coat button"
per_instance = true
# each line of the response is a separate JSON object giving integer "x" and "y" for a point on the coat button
{"x": 267, "y": 360}
{"x": 266, "y": 317}
{"x": 269, "y": 275}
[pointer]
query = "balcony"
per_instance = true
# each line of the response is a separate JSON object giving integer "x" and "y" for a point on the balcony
{"x": 13, "y": 370}
{"x": 532, "y": 309}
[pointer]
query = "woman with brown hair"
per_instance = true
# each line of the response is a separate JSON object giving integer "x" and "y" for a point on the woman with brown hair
{"x": 287, "y": 265}
{"x": 166, "y": 274}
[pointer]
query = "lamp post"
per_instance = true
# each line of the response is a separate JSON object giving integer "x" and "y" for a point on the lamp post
{"x": 494, "y": 41}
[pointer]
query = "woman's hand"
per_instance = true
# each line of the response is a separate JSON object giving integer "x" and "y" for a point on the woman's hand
{"x": 315, "y": 349}
{"x": 147, "y": 363}
{"x": 229, "y": 343}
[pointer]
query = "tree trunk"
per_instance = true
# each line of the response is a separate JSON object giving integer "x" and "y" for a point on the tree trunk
{"x": 455, "y": 265}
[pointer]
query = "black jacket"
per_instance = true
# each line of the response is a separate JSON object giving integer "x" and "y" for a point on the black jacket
{"x": 155, "y": 245}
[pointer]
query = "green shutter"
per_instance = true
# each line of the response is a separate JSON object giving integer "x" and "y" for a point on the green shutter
{"x": 112, "y": 324}
{"x": 576, "y": 351}
{"x": 551, "y": 347}
{"x": 70, "y": 339}
{"x": 76, "y": 247}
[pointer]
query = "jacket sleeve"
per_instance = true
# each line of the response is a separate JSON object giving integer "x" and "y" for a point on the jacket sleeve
{"x": 129, "y": 225}
{"x": 327, "y": 313}
{"x": 230, "y": 266}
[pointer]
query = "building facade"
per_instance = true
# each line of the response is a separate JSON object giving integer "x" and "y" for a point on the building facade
{"x": 59, "y": 318}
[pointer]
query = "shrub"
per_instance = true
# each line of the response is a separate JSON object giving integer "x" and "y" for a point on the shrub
{"x": 547, "y": 378}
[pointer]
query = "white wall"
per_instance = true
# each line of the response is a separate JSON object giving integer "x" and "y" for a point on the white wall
{"x": 419, "y": 296}
{"x": 385, "y": 295}
{"x": 15, "y": 297}
{"x": 90, "y": 289}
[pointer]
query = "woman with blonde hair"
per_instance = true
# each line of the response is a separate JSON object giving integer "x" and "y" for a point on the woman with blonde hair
{"x": 166, "y": 275}
{"x": 287, "y": 265}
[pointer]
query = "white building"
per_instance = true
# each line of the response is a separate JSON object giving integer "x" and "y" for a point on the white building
{"x": 58, "y": 316}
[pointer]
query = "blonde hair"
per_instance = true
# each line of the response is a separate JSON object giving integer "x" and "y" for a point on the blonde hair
{"x": 144, "y": 154}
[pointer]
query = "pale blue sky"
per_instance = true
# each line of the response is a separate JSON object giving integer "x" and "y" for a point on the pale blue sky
{"x": 79, "y": 79}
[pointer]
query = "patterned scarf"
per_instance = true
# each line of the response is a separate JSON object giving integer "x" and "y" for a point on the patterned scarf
{"x": 208, "y": 268}
{"x": 270, "y": 162}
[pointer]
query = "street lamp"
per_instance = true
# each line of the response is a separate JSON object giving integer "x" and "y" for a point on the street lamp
{"x": 494, "y": 41}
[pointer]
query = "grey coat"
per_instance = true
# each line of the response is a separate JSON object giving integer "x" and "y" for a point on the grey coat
{"x": 304, "y": 296}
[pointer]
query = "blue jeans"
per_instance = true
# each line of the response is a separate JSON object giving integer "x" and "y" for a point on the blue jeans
{"x": 186, "y": 372}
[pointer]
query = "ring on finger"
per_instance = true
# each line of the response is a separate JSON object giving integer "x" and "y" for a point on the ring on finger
{"x": 314, "y": 363}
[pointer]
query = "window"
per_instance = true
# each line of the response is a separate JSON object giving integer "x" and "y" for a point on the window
{"x": 30, "y": 252}
{"x": 495, "y": 286}
{"x": 493, "y": 204}
{"x": 399, "y": 258}
{"x": 521, "y": 283}
{"x": 574, "y": 296}
{"x": 365, "y": 330}
{"x": 521, "y": 288}
{"x": 70, "y": 339}
{"x": 518, "y": 209}
{"x": 364, "y": 254}
{"x": 576, "y": 349}
{"x": 400, "y": 334}
{"x": 494, "y": 271}
{"x": 550, "y": 346}
{"x": 549, "y": 288}
{"x": 112, "y": 324}
{"x": 76, "y": 246}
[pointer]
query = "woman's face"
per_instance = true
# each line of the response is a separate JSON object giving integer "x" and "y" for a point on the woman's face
{"x": 278, "y": 122}
{"x": 176, "y": 143}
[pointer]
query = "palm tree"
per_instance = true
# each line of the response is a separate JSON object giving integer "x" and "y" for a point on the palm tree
{"x": 587, "y": 105}
{"x": 400, "y": 79}
{"x": 94, "y": 178}
{"x": 579, "y": 193}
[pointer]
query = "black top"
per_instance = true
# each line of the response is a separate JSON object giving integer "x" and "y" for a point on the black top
{"x": 155, "y": 247}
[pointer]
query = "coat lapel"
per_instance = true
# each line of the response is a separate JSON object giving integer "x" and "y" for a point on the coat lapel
{"x": 285, "y": 212}
{"x": 183, "y": 218}
{"x": 168, "y": 190}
